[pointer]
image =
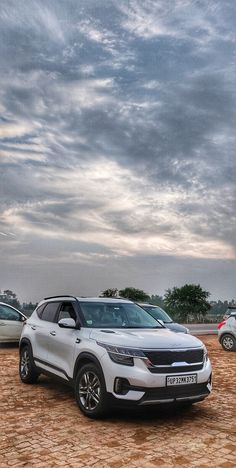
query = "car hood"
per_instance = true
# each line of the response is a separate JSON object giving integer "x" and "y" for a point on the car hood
{"x": 145, "y": 338}
{"x": 176, "y": 327}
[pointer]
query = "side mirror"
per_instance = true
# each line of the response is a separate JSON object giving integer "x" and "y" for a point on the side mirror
{"x": 67, "y": 323}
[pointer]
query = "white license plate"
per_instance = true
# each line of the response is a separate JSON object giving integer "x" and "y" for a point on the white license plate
{"x": 181, "y": 379}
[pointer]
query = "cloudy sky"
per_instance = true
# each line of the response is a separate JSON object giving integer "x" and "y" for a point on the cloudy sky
{"x": 117, "y": 149}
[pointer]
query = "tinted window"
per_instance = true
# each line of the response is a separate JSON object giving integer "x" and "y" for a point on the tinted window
{"x": 6, "y": 313}
{"x": 49, "y": 312}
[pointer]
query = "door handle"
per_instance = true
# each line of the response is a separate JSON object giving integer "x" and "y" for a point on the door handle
{"x": 53, "y": 333}
{"x": 2, "y": 324}
{"x": 33, "y": 327}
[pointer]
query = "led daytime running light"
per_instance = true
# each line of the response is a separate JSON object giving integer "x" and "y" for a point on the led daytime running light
{"x": 131, "y": 352}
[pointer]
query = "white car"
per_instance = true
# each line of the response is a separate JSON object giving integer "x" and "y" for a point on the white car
{"x": 112, "y": 352}
{"x": 11, "y": 323}
{"x": 227, "y": 333}
{"x": 231, "y": 311}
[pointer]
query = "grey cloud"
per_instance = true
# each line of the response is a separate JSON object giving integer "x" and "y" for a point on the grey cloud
{"x": 77, "y": 87}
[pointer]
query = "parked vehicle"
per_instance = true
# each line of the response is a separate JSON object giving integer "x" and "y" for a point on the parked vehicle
{"x": 11, "y": 323}
{"x": 230, "y": 311}
{"x": 113, "y": 353}
{"x": 159, "y": 314}
{"x": 227, "y": 333}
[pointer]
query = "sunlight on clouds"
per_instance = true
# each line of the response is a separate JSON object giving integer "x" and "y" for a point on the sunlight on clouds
{"x": 118, "y": 216}
{"x": 15, "y": 129}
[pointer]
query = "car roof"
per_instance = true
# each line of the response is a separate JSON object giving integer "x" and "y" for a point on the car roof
{"x": 109, "y": 300}
{"x": 103, "y": 299}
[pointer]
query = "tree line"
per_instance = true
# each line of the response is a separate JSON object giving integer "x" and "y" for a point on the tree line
{"x": 187, "y": 303}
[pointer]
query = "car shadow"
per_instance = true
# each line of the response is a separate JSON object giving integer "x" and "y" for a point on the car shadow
{"x": 143, "y": 415}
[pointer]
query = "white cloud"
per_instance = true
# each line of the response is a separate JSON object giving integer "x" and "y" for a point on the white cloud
{"x": 125, "y": 215}
{"x": 176, "y": 19}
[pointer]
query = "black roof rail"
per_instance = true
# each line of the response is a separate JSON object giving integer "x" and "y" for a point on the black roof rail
{"x": 63, "y": 295}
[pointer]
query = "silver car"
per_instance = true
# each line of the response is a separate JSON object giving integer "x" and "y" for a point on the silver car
{"x": 159, "y": 314}
{"x": 229, "y": 312}
{"x": 11, "y": 323}
{"x": 227, "y": 333}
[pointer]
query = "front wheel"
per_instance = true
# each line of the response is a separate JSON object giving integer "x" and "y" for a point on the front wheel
{"x": 228, "y": 342}
{"x": 90, "y": 391}
{"x": 28, "y": 373}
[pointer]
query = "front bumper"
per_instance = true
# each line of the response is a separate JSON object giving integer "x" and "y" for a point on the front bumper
{"x": 145, "y": 388}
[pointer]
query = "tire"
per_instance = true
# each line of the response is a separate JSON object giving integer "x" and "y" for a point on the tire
{"x": 228, "y": 342}
{"x": 27, "y": 369}
{"x": 90, "y": 391}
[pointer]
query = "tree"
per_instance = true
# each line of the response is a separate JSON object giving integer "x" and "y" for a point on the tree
{"x": 189, "y": 300}
{"x": 157, "y": 300}
{"x": 136, "y": 295}
{"x": 10, "y": 298}
{"x": 111, "y": 292}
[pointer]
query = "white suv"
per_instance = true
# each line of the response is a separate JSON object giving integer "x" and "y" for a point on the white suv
{"x": 112, "y": 352}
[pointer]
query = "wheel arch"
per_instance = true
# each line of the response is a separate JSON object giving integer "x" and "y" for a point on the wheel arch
{"x": 86, "y": 358}
{"x": 25, "y": 342}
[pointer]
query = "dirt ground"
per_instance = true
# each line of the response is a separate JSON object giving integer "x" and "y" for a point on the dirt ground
{"x": 41, "y": 425}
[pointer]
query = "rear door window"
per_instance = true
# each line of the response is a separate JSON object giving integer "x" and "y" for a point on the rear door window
{"x": 50, "y": 311}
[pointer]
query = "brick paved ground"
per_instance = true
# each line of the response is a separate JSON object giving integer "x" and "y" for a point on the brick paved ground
{"x": 41, "y": 425}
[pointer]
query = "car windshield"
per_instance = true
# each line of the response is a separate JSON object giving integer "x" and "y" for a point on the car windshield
{"x": 158, "y": 313}
{"x": 119, "y": 315}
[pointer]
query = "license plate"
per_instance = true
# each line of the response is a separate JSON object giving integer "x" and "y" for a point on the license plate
{"x": 181, "y": 379}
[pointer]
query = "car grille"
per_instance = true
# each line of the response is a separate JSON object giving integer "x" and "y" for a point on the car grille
{"x": 175, "y": 369}
{"x": 167, "y": 361}
{"x": 178, "y": 391}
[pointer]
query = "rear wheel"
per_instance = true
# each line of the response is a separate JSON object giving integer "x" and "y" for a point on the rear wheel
{"x": 90, "y": 391}
{"x": 228, "y": 342}
{"x": 27, "y": 370}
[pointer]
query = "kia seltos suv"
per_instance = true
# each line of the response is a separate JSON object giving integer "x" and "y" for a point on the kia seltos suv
{"x": 113, "y": 353}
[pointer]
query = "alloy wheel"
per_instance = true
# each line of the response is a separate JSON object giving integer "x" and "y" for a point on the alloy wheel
{"x": 89, "y": 390}
{"x": 228, "y": 342}
{"x": 25, "y": 363}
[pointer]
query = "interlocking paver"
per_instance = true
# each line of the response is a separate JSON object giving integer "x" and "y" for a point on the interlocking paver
{"x": 41, "y": 426}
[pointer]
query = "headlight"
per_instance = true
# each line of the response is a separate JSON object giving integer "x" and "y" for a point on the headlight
{"x": 122, "y": 355}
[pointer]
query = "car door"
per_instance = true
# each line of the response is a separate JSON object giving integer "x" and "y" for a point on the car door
{"x": 11, "y": 323}
{"x": 62, "y": 342}
{"x": 41, "y": 325}
{"x": 231, "y": 322}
